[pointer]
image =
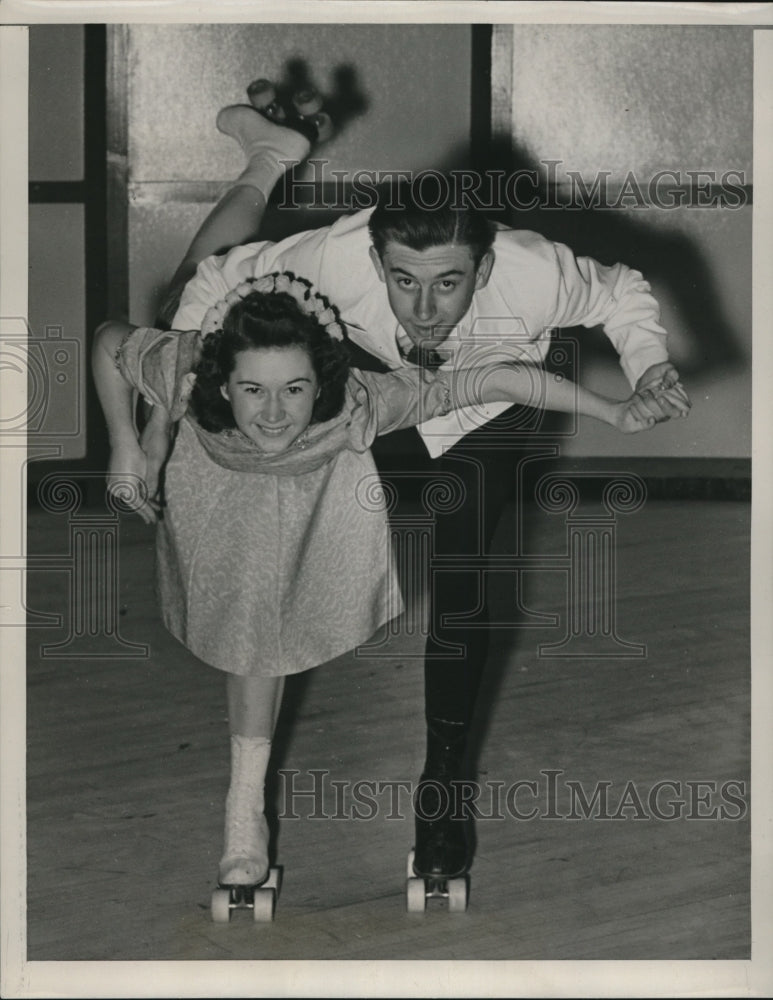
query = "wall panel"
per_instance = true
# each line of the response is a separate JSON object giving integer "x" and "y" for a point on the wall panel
{"x": 641, "y": 137}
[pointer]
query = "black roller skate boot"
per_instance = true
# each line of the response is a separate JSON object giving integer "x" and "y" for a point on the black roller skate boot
{"x": 438, "y": 864}
{"x": 441, "y": 842}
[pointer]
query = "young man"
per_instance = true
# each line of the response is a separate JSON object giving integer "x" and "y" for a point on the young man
{"x": 434, "y": 287}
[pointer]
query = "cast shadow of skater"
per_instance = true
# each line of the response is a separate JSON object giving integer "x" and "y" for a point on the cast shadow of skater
{"x": 667, "y": 257}
{"x": 344, "y": 101}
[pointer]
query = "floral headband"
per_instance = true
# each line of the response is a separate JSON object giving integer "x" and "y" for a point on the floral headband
{"x": 302, "y": 291}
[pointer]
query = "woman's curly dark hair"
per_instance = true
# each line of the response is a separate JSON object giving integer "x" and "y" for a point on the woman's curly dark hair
{"x": 264, "y": 321}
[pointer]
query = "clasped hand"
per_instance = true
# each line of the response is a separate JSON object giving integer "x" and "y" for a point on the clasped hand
{"x": 659, "y": 396}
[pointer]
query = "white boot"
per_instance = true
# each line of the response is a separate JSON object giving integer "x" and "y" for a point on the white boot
{"x": 245, "y": 858}
{"x": 270, "y": 149}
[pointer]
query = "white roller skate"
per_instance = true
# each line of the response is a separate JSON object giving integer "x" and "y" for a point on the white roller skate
{"x": 285, "y": 129}
{"x": 245, "y": 879}
{"x": 274, "y": 135}
{"x": 260, "y": 897}
{"x": 303, "y": 112}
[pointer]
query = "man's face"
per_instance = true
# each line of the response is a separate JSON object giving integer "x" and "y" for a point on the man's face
{"x": 430, "y": 290}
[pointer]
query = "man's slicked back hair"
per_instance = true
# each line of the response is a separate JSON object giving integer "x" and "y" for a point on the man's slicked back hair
{"x": 402, "y": 216}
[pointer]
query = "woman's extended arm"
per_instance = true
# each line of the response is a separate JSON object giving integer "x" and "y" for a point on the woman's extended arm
{"x": 409, "y": 396}
{"x": 132, "y": 474}
{"x": 532, "y": 386}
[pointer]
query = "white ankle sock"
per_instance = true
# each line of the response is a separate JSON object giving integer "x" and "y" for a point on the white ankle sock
{"x": 245, "y": 857}
{"x": 270, "y": 149}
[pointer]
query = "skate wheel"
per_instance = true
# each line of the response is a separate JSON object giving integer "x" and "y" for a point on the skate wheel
{"x": 274, "y": 880}
{"x": 263, "y": 905}
{"x": 457, "y": 895}
{"x": 307, "y": 102}
{"x": 221, "y": 906}
{"x": 415, "y": 895}
{"x": 275, "y": 112}
{"x": 261, "y": 94}
{"x": 323, "y": 124}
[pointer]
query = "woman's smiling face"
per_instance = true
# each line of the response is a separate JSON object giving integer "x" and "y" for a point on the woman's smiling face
{"x": 272, "y": 392}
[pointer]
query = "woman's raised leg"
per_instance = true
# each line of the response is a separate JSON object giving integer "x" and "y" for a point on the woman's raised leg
{"x": 270, "y": 149}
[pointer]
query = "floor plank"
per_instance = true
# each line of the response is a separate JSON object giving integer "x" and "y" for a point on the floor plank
{"x": 127, "y": 772}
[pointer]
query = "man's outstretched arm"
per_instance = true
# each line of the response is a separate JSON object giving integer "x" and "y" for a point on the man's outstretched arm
{"x": 620, "y": 300}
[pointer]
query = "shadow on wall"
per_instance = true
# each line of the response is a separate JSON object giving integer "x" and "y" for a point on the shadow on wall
{"x": 346, "y": 101}
{"x": 667, "y": 258}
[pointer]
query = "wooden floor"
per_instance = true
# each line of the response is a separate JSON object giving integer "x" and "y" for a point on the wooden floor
{"x": 127, "y": 773}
